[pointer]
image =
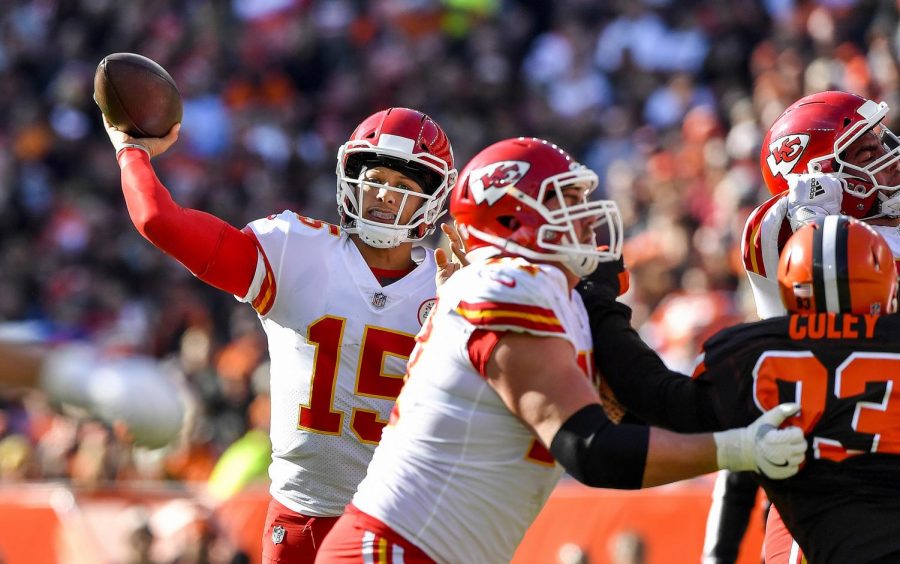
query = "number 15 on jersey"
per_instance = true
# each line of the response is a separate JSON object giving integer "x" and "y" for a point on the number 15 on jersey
{"x": 319, "y": 415}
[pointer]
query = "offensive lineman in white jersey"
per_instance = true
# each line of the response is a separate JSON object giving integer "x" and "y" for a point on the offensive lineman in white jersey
{"x": 503, "y": 370}
{"x": 828, "y": 153}
{"x": 340, "y": 306}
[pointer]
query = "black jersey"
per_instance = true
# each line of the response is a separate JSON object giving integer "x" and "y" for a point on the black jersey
{"x": 844, "y": 371}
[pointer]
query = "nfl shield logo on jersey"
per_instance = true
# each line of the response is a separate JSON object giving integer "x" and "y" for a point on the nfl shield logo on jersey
{"x": 379, "y": 299}
{"x": 278, "y": 534}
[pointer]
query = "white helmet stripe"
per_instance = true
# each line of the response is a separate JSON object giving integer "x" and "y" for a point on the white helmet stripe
{"x": 829, "y": 262}
{"x": 395, "y": 142}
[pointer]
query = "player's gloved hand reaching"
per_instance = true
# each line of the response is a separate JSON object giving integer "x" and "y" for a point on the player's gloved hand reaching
{"x": 762, "y": 446}
{"x": 813, "y": 195}
{"x": 889, "y": 206}
{"x": 609, "y": 281}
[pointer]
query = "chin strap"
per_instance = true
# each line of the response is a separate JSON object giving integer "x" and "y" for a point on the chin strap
{"x": 379, "y": 237}
{"x": 582, "y": 265}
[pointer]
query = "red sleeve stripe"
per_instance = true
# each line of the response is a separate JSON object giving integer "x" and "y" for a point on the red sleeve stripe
{"x": 767, "y": 217}
{"x": 753, "y": 257}
{"x": 757, "y": 264}
{"x": 502, "y": 314}
{"x": 265, "y": 298}
{"x": 481, "y": 346}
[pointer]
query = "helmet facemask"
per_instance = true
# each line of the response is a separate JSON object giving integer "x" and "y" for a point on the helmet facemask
{"x": 860, "y": 181}
{"x": 431, "y": 173}
{"x": 558, "y": 231}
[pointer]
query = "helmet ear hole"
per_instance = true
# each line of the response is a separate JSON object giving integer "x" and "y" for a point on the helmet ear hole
{"x": 509, "y": 222}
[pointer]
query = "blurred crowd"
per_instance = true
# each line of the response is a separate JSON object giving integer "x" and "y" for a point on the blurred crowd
{"x": 667, "y": 100}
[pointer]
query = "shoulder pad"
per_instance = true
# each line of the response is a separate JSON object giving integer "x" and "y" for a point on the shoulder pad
{"x": 509, "y": 294}
{"x": 765, "y": 233}
{"x": 730, "y": 341}
{"x": 289, "y": 221}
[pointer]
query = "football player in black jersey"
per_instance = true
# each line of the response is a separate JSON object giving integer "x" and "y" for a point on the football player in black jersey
{"x": 837, "y": 354}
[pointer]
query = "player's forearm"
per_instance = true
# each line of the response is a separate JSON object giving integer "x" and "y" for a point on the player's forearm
{"x": 672, "y": 457}
{"x": 640, "y": 379}
{"x": 600, "y": 454}
{"x": 213, "y": 250}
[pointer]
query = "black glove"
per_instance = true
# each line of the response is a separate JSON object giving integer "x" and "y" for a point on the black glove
{"x": 605, "y": 284}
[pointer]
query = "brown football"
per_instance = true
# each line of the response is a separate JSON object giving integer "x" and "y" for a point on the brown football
{"x": 137, "y": 95}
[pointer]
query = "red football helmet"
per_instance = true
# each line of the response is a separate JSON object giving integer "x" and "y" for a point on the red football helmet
{"x": 813, "y": 134}
{"x": 407, "y": 141}
{"x": 837, "y": 264}
{"x": 511, "y": 197}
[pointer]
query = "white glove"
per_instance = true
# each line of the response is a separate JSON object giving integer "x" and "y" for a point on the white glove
{"x": 813, "y": 195}
{"x": 133, "y": 390}
{"x": 762, "y": 446}
{"x": 889, "y": 205}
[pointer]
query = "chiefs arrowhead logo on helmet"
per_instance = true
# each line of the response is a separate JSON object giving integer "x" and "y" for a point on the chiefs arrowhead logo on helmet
{"x": 785, "y": 151}
{"x": 489, "y": 183}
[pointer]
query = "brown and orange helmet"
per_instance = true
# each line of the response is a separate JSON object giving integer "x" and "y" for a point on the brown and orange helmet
{"x": 837, "y": 264}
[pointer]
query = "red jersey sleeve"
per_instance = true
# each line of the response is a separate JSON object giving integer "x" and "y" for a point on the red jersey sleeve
{"x": 765, "y": 233}
{"x": 481, "y": 345}
{"x": 214, "y": 251}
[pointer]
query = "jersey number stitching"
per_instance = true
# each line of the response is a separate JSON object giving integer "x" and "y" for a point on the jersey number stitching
{"x": 872, "y": 422}
{"x": 378, "y": 343}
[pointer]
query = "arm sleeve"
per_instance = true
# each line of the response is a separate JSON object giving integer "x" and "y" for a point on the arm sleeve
{"x": 600, "y": 454}
{"x": 639, "y": 378}
{"x": 214, "y": 251}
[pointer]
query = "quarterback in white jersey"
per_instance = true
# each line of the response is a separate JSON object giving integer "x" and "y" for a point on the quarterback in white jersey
{"x": 340, "y": 305}
{"x": 352, "y": 335}
{"x": 771, "y": 224}
{"x": 500, "y": 397}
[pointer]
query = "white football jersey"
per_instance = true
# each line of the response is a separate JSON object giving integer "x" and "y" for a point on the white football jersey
{"x": 338, "y": 343}
{"x": 765, "y": 234}
{"x": 456, "y": 473}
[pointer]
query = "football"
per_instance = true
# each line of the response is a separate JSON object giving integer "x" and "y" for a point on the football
{"x": 137, "y": 95}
